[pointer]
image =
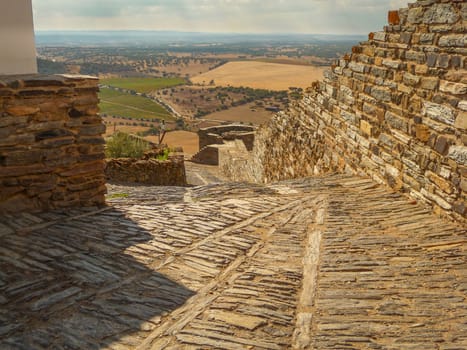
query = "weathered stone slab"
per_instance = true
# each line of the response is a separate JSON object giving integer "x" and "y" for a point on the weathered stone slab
{"x": 459, "y": 154}
{"x": 439, "y": 112}
{"x": 238, "y": 320}
{"x": 440, "y": 14}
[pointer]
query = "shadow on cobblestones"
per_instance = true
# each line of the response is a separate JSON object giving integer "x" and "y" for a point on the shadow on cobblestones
{"x": 69, "y": 282}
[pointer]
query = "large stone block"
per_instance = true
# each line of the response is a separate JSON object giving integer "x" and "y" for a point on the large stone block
{"x": 422, "y": 132}
{"x": 432, "y": 197}
{"x": 392, "y": 64}
{"x": 442, "y": 145}
{"x": 461, "y": 121}
{"x": 380, "y": 36}
{"x": 415, "y": 15}
{"x": 357, "y": 67}
{"x": 83, "y": 169}
{"x": 453, "y": 88}
{"x": 458, "y": 154}
{"x": 443, "y": 184}
{"x": 393, "y": 17}
{"x": 427, "y": 38}
{"x": 439, "y": 112}
{"x": 453, "y": 40}
{"x": 24, "y": 157}
{"x": 411, "y": 79}
{"x": 366, "y": 127}
{"x": 396, "y": 122}
{"x": 381, "y": 94}
{"x": 429, "y": 83}
{"x": 440, "y": 14}
{"x": 92, "y": 130}
{"x": 13, "y": 121}
{"x": 21, "y": 110}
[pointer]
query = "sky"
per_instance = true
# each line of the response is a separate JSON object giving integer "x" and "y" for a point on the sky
{"x": 221, "y": 16}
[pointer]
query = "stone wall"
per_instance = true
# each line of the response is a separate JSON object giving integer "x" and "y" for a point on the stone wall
{"x": 395, "y": 109}
{"x": 169, "y": 172}
{"x": 208, "y": 155}
{"x": 234, "y": 161}
{"x": 51, "y": 148}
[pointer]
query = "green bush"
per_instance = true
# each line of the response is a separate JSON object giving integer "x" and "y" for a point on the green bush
{"x": 122, "y": 145}
{"x": 164, "y": 155}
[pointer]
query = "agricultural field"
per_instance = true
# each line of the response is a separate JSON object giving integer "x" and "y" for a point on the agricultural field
{"x": 117, "y": 103}
{"x": 199, "y": 101}
{"x": 261, "y": 75}
{"x": 130, "y": 126}
{"x": 247, "y": 114}
{"x": 189, "y": 141}
{"x": 143, "y": 85}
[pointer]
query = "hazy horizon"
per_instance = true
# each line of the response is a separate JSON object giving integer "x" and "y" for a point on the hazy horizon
{"x": 188, "y": 32}
{"x": 155, "y": 38}
{"x": 338, "y": 17}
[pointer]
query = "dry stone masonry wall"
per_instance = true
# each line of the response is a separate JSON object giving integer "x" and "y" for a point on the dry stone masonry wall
{"x": 51, "y": 145}
{"x": 155, "y": 172}
{"x": 395, "y": 109}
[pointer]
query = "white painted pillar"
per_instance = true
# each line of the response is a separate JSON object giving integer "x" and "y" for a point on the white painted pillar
{"x": 17, "y": 46}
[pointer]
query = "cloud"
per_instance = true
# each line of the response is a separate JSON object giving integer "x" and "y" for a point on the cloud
{"x": 288, "y": 16}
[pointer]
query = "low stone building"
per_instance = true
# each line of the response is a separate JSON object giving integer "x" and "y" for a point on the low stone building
{"x": 220, "y": 137}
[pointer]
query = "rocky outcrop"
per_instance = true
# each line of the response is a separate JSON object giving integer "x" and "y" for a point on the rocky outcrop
{"x": 394, "y": 110}
{"x": 51, "y": 145}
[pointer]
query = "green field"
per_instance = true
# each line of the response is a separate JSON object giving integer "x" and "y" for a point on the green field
{"x": 143, "y": 85}
{"x": 120, "y": 104}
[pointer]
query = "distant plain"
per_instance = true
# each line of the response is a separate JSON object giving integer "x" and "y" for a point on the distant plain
{"x": 261, "y": 75}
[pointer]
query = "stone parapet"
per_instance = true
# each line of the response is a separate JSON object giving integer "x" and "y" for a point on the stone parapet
{"x": 51, "y": 145}
{"x": 208, "y": 155}
{"x": 234, "y": 161}
{"x": 394, "y": 110}
{"x": 217, "y": 134}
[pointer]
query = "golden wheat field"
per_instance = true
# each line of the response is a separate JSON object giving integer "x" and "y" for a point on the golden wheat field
{"x": 247, "y": 114}
{"x": 261, "y": 75}
{"x": 180, "y": 138}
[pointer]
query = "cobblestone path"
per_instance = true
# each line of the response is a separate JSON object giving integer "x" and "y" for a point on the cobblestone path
{"x": 322, "y": 263}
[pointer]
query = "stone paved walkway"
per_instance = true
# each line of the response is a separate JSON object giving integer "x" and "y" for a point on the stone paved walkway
{"x": 322, "y": 263}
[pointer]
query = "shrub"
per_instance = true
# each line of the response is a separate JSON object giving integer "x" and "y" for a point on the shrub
{"x": 164, "y": 155}
{"x": 122, "y": 145}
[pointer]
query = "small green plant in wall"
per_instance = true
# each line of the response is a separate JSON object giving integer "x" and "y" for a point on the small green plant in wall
{"x": 164, "y": 155}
